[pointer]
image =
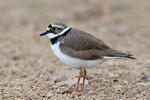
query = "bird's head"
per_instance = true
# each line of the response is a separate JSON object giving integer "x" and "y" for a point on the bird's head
{"x": 55, "y": 29}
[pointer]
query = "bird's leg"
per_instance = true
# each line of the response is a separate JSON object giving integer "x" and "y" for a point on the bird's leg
{"x": 84, "y": 77}
{"x": 80, "y": 75}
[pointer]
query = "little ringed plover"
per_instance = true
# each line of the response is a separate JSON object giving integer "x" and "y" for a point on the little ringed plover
{"x": 79, "y": 49}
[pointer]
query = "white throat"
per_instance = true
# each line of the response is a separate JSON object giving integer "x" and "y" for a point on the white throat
{"x": 52, "y": 35}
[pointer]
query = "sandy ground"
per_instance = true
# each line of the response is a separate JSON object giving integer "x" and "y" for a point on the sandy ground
{"x": 30, "y": 71}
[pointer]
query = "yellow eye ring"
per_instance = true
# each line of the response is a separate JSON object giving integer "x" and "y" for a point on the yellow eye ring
{"x": 53, "y": 29}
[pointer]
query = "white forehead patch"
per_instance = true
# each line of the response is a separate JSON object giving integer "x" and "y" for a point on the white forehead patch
{"x": 48, "y": 29}
{"x": 53, "y": 25}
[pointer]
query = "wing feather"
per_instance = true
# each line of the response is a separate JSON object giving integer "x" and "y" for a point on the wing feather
{"x": 82, "y": 45}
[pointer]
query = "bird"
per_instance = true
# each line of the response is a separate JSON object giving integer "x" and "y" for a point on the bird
{"x": 79, "y": 49}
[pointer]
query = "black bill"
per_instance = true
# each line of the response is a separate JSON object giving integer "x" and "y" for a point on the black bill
{"x": 44, "y": 33}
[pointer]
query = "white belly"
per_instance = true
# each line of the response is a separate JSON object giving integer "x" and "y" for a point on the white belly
{"x": 71, "y": 61}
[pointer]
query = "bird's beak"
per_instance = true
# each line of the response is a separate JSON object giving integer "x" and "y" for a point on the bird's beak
{"x": 44, "y": 33}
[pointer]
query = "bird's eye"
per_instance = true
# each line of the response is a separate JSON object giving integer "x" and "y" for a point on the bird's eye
{"x": 53, "y": 29}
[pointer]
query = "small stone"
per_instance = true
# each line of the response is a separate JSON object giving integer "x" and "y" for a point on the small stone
{"x": 58, "y": 90}
{"x": 68, "y": 91}
{"x": 55, "y": 86}
{"x": 15, "y": 57}
{"x": 115, "y": 80}
{"x": 90, "y": 92}
{"x": 115, "y": 75}
{"x": 125, "y": 82}
{"x": 61, "y": 78}
{"x": 49, "y": 95}
{"x": 144, "y": 84}
{"x": 118, "y": 87}
{"x": 143, "y": 78}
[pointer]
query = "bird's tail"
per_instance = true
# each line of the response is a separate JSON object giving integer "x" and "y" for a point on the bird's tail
{"x": 114, "y": 53}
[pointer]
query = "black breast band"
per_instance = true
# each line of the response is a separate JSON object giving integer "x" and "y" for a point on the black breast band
{"x": 54, "y": 40}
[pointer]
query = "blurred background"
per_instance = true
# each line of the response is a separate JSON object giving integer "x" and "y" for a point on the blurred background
{"x": 28, "y": 66}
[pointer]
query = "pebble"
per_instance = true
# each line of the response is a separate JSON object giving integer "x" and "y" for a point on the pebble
{"x": 143, "y": 78}
{"x": 115, "y": 80}
{"x": 125, "y": 82}
{"x": 68, "y": 91}
{"x": 118, "y": 87}
{"x": 61, "y": 78}
{"x": 49, "y": 94}
{"x": 90, "y": 92}
{"x": 54, "y": 86}
{"x": 15, "y": 57}
{"x": 144, "y": 84}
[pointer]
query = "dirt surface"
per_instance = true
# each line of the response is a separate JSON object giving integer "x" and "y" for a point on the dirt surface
{"x": 30, "y": 71}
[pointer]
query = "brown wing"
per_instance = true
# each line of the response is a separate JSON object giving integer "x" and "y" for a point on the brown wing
{"x": 82, "y": 45}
